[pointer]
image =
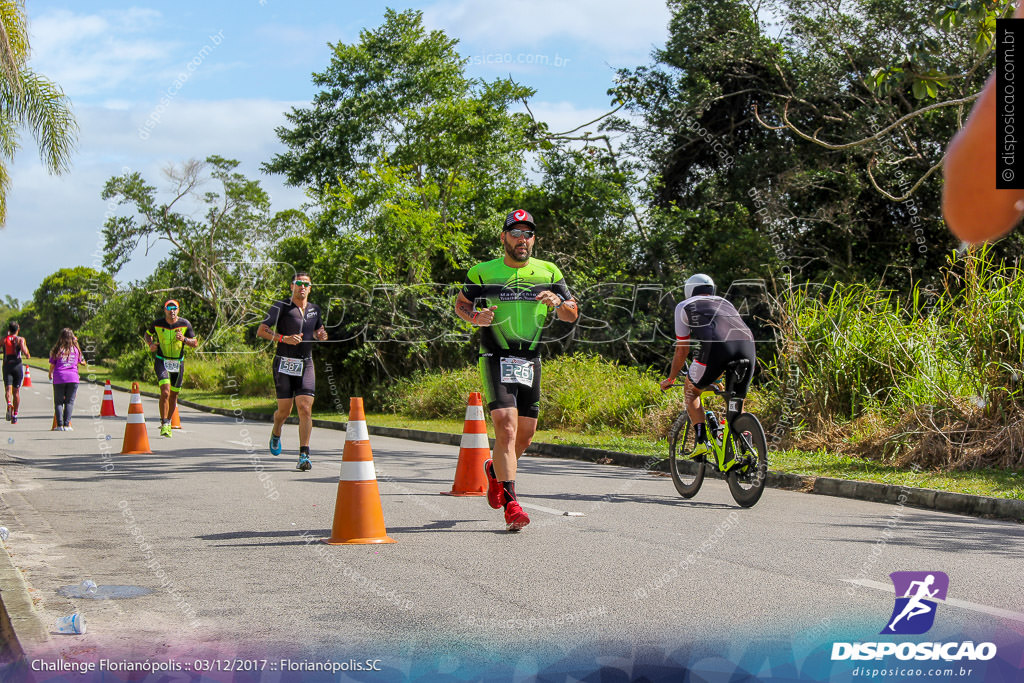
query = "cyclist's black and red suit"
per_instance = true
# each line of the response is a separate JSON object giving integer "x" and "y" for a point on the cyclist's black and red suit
{"x": 723, "y": 336}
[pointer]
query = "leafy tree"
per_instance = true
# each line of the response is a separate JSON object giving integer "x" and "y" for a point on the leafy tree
{"x": 400, "y": 94}
{"x": 412, "y": 167}
{"x": 69, "y": 297}
{"x": 29, "y": 100}
{"x": 9, "y": 309}
{"x": 811, "y": 211}
{"x": 873, "y": 74}
{"x": 219, "y": 258}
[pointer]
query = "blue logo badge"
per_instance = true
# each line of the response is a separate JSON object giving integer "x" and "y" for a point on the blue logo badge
{"x": 916, "y": 596}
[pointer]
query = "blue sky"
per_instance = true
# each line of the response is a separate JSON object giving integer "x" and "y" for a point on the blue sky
{"x": 252, "y": 61}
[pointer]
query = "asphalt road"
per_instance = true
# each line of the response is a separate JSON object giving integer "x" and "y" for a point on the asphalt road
{"x": 224, "y": 535}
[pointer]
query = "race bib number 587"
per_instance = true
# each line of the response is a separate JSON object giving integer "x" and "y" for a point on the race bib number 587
{"x": 291, "y": 367}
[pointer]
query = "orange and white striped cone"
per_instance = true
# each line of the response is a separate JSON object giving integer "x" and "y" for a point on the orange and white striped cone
{"x": 474, "y": 451}
{"x": 27, "y": 381}
{"x": 358, "y": 517}
{"x": 175, "y": 419}
{"x": 107, "y": 408}
{"x": 136, "y": 441}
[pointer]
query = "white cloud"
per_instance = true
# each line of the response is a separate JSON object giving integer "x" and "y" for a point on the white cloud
{"x": 95, "y": 53}
{"x": 55, "y": 222}
{"x": 626, "y": 30}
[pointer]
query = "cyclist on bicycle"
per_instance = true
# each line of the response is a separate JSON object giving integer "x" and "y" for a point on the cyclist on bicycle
{"x": 724, "y": 338}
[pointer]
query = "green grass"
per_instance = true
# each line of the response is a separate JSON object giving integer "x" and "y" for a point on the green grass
{"x": 984, "y": 482}
{"x": 987, "y": 482}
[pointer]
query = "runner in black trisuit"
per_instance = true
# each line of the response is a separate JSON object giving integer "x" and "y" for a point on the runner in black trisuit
{"x": 294, "y": 324}
{"x": 723, "y": 336}
{"x": 14, "y": 372}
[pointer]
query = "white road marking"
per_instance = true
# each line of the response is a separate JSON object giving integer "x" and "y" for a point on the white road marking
{"x": 551, "y": 511}
{"x": 956, "y": 602}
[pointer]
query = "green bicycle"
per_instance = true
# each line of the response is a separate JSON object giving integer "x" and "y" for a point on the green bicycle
{"x": 739, "y": 446}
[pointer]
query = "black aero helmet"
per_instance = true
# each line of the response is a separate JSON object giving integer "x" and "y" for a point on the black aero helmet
{"x": 519, "y": 216}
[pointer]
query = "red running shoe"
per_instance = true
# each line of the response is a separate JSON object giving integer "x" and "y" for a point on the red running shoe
{"x": 515, "y": 518}
{"x": 495, "y": 491}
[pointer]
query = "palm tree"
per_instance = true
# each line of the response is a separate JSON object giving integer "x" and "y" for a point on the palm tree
{"x": 29, "y": 100}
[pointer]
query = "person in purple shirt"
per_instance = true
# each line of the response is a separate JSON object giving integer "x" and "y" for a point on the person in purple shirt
{"x": 65, "y": 357}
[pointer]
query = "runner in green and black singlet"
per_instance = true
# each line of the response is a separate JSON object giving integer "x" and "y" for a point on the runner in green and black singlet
{"x": 167, "y": 337}
{"x": 510, "y": 298}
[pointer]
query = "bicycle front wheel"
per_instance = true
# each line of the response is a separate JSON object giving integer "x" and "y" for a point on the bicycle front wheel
{"x": 687, "y": 475}
{"x": 748, "y": 446}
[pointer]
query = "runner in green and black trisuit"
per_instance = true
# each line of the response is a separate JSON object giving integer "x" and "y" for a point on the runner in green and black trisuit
{"x": 167, "y": 338}
{"x": 516, "y": 294}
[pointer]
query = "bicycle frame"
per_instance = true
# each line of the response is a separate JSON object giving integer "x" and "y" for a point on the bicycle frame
{"x": 733, "y": 408}
{"x": 718, "y": 444}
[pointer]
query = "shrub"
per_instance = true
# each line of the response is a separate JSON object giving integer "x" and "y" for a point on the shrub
{"x": 134, "y": 365}
{"x": 251, "y": 373}
{"x": 579, "y": 392}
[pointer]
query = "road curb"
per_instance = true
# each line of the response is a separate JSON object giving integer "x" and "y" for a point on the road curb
{"x": 21, "y": 627}
{"x": 926, "y": 499}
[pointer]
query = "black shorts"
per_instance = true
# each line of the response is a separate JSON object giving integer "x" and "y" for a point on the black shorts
{"x": 290, "y": 386}
{"x": 14, "y": 374}
{"x": 173, "y": 378}
{"x": 512, "y": 392}
{"x": 711, "y": 364}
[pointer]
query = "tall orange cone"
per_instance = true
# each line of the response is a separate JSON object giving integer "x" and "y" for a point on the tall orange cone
{"x": 358, "y": 517}
{"x": 27, "y": 382}
{"x": 135, "y": 439}
{"x": 53, "y": 427}
{"x": 474, "y": 451}
{"x": 107, "y": 409}
{"x": 175, "y": 420}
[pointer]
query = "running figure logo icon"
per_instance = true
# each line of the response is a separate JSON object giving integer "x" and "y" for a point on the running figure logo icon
{"x": 916, "y": 595}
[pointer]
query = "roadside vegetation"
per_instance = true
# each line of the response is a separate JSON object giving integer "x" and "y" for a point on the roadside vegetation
{"x": 883, "y": 354}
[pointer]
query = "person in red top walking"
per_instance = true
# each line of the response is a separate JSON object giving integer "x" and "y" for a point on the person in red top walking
{"x": 14, "y": 371}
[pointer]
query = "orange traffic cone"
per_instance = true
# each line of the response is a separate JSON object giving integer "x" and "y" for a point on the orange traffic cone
{"x": 135, "y": 439}
{"x": 175, "y": 420}
{"x": 27, "y": 382}
{"x": 474, "y": 451}
{"x": 53, "y": 427}
{"x": 358, "y": 517}
{"x": 107, "y": 409}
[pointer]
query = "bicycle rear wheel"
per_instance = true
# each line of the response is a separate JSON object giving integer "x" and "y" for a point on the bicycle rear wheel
{"x": 748, "y": 446}
{"x": 687, "y": 475}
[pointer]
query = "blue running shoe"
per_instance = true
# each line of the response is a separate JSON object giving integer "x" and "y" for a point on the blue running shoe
{"x": 275, "y": 445}
{"x": 304, "y": 463}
